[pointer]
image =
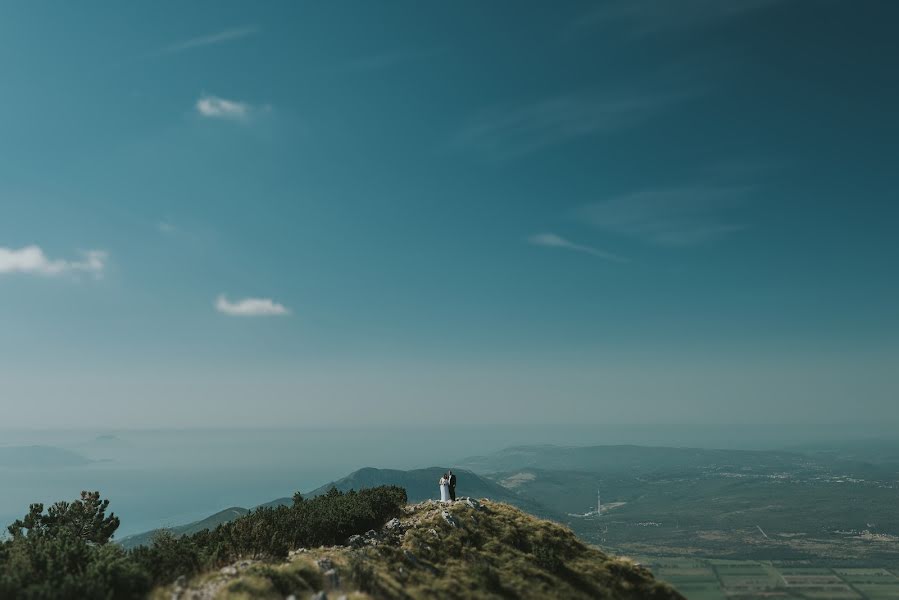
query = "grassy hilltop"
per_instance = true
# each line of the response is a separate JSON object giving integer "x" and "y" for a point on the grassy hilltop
{"x": 469, "y": 549}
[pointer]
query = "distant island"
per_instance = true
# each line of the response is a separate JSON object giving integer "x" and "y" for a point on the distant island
{"x": 37, "y": 457}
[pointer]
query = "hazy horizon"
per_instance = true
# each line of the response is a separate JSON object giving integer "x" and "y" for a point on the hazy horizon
{"x": 157, "y": 478}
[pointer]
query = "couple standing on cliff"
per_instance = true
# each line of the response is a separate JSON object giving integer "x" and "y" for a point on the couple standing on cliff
{"x": 448, "y": 487}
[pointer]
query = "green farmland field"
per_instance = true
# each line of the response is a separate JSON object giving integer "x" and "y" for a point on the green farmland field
{"x": 709, "y": 579}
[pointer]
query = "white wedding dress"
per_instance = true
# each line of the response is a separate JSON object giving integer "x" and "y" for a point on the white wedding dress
{"x": 444, "y": 491}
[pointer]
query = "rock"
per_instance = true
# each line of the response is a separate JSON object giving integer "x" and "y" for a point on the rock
{"x": 178, "y": 588}
{"x": 229, "y": 571}
{"x": 355, "y": 541}
{"x": 433, "y": 532}
{"x": 392, "y": 523}
{"x": 472, "y": 503}
{"x": 450, "y": 519}
{"x": 332, "y": 577}
{"x": 320, "y": 596}
{"x": 291, "y": 597}
{"x": 325, "y": 564}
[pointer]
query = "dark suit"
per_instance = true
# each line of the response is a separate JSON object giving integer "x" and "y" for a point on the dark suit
{"x": 452, "y": 487}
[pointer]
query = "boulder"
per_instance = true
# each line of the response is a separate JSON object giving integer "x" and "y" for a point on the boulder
{"x": 325, "y": 564}
{"x": 472, "y": 503}
{"x": 450, "y": 519}
{"x": 332, "y": 577}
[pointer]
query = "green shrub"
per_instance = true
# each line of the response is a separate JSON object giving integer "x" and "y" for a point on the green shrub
{"x": 64, "y": 553}
{"x": 548, "y": 559}
{"x": 84, "y": 519}
{"x": 66, "y": 566}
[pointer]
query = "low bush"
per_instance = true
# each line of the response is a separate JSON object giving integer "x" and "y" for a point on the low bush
{"x": 66, "y": 552}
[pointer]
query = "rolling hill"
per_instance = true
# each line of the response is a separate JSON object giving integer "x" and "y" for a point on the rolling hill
{"x": 210, "y": 522}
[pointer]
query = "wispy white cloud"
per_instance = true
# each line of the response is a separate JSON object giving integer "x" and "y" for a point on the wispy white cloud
{"x": 551, "y": 240}
{"x": 504, "y": 133}
{"x": 214, "y": 107}
{"x": 31, "y": 260}
{"x": 250, "y": 307}
{"x": 671, "y": 217}
{"x": 227, "y": 35}
{"x": 166, "y": 227}
{"x": 641, "y": 18}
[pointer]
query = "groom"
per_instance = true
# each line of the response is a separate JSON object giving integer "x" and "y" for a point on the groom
{"x": 452, "y": 485}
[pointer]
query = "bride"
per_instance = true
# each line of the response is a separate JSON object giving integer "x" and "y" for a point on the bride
{"x": 444, "y": 488}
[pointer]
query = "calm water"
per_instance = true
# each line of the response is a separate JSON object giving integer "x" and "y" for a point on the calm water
{"x": 159, "y": 478}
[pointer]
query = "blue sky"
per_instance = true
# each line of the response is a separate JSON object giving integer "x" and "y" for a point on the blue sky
{"x": 220, "y": 213}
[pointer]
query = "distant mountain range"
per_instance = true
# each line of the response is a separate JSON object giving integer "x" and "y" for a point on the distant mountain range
{"x": 210, "y": 522}
{"x": 626, "y": 458}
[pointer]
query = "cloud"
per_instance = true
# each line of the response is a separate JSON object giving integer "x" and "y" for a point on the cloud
{"x": 228, "y": 35}
{"x": 214, "y": 107}
{"x": 166, "y": 227}
{"x": 31, "y": 260}
{"x": 671, "y": 217}
{"x": 250, "y": 307}
{"x": 504, "y": 133}
{"x": 551, "y": 240}
{"x": 642, "y": 18}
